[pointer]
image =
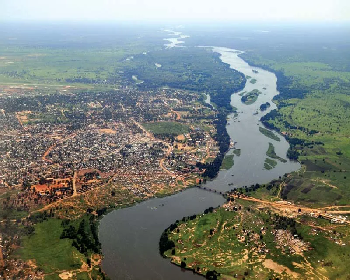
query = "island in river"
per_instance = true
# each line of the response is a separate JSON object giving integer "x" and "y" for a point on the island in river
{"x": 257, "y": 234}
{"x": 122, "y": 126}
{"x": 102, "y": 143}
{"x": 124, "y": 253}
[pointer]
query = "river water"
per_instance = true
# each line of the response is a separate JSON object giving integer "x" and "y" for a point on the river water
{"x": 243, "y": 129}
{"x": 176, "y": 41}
{"x": 130, "y": 236}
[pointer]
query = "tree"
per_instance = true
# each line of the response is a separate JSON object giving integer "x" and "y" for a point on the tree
{"x": 212, "y": 275}
{"x": 69, "y": 232}
{"x": 165, "y": 244}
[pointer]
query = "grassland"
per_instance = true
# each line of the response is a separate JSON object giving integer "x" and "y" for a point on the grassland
{"x": 313, "y": 114}
{"x": 228, "y": 162}
{"x": 323, "y": 149}
{"x": 49, "y": 252}
{"x": 71, "y": 54}
{"x": 45, "y": 66}
{"x": 167, "y": 128}
{"x": 243, "y": 239}
{"x": 269, "y": 134}
{"x": 53, "y": 254}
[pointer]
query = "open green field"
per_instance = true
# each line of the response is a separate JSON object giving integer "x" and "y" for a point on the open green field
{"x": 167, "y": 128}
{"x": 251, "y": 242}
{"x": 58, "y": 246}
{"x": 50, "y": 253}
{"x": 70, "y": 53}
{"x": 320, "y": 122}
{"x": 54, "y": 67}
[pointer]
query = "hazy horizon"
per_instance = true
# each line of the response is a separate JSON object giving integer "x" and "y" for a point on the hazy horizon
{"x": 182, "y": 10}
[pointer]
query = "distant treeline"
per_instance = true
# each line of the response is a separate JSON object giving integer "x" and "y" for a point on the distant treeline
{"x": 191, "y": 69}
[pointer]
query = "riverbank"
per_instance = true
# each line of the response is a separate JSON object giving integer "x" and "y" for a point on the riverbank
{"x": 255, "y": 238}
{"x": 145, "y": 220}
{"x": 316, "y": 132}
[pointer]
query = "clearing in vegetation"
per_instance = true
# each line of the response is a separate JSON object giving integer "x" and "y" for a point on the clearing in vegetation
{"x": 51, "y": 254}
{"x": 167, "y": 128}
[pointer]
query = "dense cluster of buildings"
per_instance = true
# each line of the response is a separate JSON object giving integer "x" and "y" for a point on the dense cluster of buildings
{"x": 58, "y": 150}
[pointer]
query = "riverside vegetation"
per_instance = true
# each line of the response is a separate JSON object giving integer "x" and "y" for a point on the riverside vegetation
{"x": 102, "y": 141}
{"x": 250, "y": 239}
{"x": 313, "y": 78}
{"x": 63, "y": 88}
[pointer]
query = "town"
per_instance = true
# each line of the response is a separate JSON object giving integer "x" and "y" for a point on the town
{"x": 62, "y": 149}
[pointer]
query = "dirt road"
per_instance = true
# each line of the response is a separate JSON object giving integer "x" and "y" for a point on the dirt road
{"x": 299, "y": 210}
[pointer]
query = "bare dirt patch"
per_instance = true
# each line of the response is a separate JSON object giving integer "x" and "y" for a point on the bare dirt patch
{"x": 65, "y": 275}
{"x": 107, "y": 131}
{"x": 181, "y": 137}
{"x": 270, "y": 264}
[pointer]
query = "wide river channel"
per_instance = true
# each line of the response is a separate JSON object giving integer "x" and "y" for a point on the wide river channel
{"x": 130, "y": 236}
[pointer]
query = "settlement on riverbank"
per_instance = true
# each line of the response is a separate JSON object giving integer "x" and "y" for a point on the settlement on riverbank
{"x": 249, "y": 144}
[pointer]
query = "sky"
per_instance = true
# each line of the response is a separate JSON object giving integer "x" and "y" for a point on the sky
{"x": 189, "y": 10}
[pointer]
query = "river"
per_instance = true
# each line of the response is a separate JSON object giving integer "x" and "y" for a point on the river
{"x": 243, "y": 129}
{"x": 175, "y": 41}
{"x": 130, "y": 236}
